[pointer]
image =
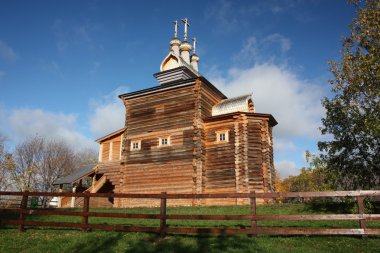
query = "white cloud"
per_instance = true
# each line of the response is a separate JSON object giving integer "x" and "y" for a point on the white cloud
{"x": 271, "y": 48}
{"x": 286, "y": 168}
{"x": 95, "y": 66}
{"x": 25, "y": 123}
{"x": 7, "y": 53}
{"x": 284, "y": 145}
{"x": 80, "y": 34}
{"x": 261, "y": 68}
{"x": 276, "y": 9}
{"x": 56, "y": 69}
{"x": 108, "y": 114}
{"x": 60, "y": 34}
{"x": 295, "y": 103}
{"x": 223, "y": 13}
{"x": 229, "y": 16}
{"x": 278, "y": 38}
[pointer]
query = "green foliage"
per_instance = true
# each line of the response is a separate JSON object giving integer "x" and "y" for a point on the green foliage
{"x": 309, "y": 180}
{"x": 353, "y": 114}
{"x": 313, "y": 178}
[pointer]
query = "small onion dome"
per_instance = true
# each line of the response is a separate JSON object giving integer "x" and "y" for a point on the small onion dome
{"x": 194, "y": 61}
{"x": 194, "y": 57}
{"x": 185, "y": 46}
{"x": 174, "y": 45}
{"x": 175, "y": 41}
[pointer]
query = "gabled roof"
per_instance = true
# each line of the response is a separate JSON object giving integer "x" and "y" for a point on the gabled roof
{"x": 175, "y": 74}
{"x": 109, "y": 136}
{"x": 269, "y": 117}
{"x": 180, "y": 62}
{"x": 237, "y": 104}
{"x": 82, "y": 172}
{"x": 171, "y": 85}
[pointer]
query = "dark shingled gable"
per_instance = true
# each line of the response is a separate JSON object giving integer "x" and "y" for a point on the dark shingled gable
{"x": 81, "y": 172}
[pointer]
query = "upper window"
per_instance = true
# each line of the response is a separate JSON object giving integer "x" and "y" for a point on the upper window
{"x": 135, "y": 145}
{"x": 164, "y": 141}
{"x": 222, "y": 136}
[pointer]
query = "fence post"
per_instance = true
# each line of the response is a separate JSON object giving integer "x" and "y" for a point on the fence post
{"x": 163, "y": 215}
{"x": 86, "y": 207}
{"x": 362, "y": 221}
{"x": 252, "y": 199}
{"x": 23, "y": 206}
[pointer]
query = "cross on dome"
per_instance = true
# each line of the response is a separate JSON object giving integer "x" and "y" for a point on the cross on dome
{"x": 175, "y": 28}
{"x": 194, "y": 45}
{"x": 186, "y": 22}
{"x": 181, "y": 54}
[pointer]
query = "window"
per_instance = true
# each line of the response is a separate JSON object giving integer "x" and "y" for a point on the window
{"x": 222, "y": 136}
{"x": 135, "y": 145}
{"x": 164, "y": 141}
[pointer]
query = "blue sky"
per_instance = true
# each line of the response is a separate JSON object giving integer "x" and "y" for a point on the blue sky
{"x": 63, "y": 63}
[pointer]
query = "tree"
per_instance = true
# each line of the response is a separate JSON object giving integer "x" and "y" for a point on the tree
{"x": 24, "y": 163}
{"x": 353, "y": 114}
{"x": 57, "y": 159}
{"x": 38, "y": 163}
{"x": 311, "y": 178}
{"x": 4, "y": 164}
{"x": 85, "y": 157}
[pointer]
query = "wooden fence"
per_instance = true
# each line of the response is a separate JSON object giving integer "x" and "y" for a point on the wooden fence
{"x": 163, "y": 229}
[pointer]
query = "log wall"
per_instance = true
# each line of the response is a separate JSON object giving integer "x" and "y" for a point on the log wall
{"x": 110, "y": 149}
{"x": 255, "y": 155}
{"x": 155, "y": 168}
{"x": 194, "y": 161}
{"x": 220, "y": 161}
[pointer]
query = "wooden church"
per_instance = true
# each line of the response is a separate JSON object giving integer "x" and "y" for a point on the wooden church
{"x": 185, "y": 136}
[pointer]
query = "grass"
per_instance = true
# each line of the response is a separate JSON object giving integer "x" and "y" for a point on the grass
{"x": 70, "y": 240}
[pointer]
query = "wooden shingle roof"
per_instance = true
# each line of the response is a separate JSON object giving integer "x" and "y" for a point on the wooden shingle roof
{"x": 237, "y": 104}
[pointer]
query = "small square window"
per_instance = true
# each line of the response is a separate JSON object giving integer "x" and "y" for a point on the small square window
{"x": 135, "y": 145}
{"x": 164, "y": 141}
{"x": 222, "y": 136}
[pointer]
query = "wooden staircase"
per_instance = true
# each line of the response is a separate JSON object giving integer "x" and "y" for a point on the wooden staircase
{"x": 66, "y": 202}
{"x": 96, "y": 185}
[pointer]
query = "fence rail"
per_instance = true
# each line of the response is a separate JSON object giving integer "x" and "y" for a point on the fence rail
{"x": 163, "y": 229}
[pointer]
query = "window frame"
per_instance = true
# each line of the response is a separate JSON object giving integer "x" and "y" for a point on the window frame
{"x": 160, "y": 139}
{"x": 133, "y": 142}
{"x": 226, "y": 136}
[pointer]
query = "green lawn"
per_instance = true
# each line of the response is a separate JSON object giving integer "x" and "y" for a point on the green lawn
{"x": 71, "y": 240}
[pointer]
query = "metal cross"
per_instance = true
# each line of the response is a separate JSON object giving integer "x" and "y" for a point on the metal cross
{"x": 194, "y": 44}
{"x": 184, "y": 20}
{"x": 175, "y": 29}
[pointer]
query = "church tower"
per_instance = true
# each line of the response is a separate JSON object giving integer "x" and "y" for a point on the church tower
{"x": 185, "y": 136}
{"x": 179, "y": 64}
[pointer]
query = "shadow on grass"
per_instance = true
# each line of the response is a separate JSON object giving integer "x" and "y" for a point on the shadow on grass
{"x": 192, "y": 244}
{"x": 148, "y": 243}
{"x": 341, "y": 206}
{"x": 95, "y": 244}
{"x": 330, "y": 205}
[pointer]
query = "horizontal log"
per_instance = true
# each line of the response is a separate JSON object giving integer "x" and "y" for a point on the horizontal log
{"x": 80, "y": 225}
{"x": 209, "y": 195}
{"x": 277, "y": 231}
{"x": 200, "y": 217}
{"x": 269, "y": 231}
